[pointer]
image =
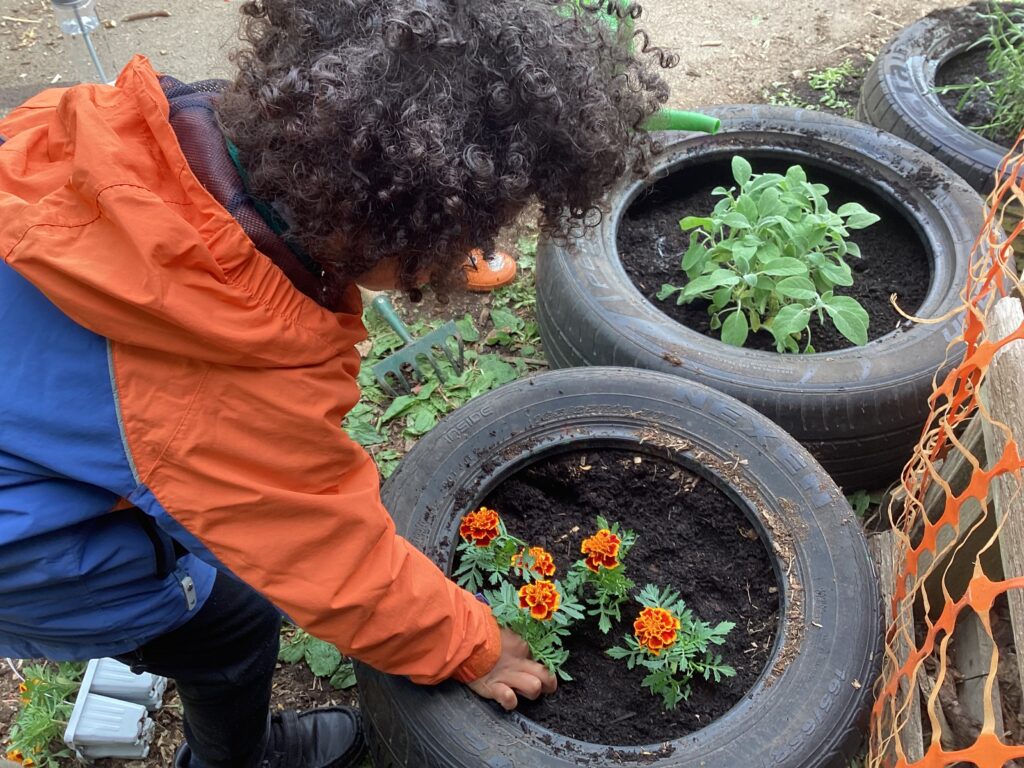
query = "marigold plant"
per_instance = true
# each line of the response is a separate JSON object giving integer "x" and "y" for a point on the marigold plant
{"x": 672, "y": 645}
{"x": 47, "y": 698}
{"x": 602, "y": 550}
{"x": 656, "y": 629}
{"x": 480, "y": 528}
{"x": 486, "y": 550}
{"x": 603, "y": 574}
{"x": 536, "y": 561}
{"x": 541, "y": 599}
{"x": 541, "y": 613}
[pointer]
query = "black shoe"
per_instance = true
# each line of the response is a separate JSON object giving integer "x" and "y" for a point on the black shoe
{"x": 330, "y": 737}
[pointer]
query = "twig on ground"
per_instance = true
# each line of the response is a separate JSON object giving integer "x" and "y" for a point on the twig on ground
{"x": 887, "y": 20}
{"x": 161, "y": 14}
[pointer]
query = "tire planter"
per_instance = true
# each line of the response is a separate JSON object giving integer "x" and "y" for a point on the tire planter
{"x": 808, "y": 705}
{"x": 898, "y": 94}
{"x": 859, "y": 410}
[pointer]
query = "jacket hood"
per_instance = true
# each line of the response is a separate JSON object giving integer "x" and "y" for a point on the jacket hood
{"x": 100, "y": 211}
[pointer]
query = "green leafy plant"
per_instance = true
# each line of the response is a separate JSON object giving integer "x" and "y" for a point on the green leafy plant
{"x": 486, "y": 552}
{"x": 542, "y": 613}
{"x": 47, "y": 698}
{"x": 603, "y": 573}
{"x": 769, "y": 256}
{"x": 672, "y": 645}
{"x": 322, "y": 658}
{"x": 1003, "y": 89}
{"x": 861, "y": 502}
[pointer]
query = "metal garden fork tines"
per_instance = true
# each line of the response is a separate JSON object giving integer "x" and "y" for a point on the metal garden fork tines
{"x": 392, "y": 372}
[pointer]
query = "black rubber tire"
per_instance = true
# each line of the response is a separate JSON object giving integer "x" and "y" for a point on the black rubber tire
{"x": 858, "y": 410}
{"x": 807, "y": 710}
{"x": 898, "y": 95}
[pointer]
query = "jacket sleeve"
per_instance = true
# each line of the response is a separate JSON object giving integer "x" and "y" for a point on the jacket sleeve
{"x": 261, "y": 474}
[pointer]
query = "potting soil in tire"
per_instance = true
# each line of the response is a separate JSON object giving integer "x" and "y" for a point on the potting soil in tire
{"x": 691, "y": 537}
{"x": 651, "y": 245}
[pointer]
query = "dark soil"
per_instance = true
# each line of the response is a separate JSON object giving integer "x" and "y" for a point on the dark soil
{"x": 651, "y": 245}
{"x": 692, "y": 538}
{"x": 968, "y": 67}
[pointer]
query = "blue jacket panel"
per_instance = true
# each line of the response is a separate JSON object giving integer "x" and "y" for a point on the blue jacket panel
{"x": 76, "y": 580}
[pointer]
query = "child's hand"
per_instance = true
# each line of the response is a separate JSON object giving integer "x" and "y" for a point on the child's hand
{"x": 514, "y": 672}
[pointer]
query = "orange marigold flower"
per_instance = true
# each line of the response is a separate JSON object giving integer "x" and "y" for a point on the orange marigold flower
{"x": 543, "y": 563}
{"x": 656, "y": 629}
{"x": 602, "y": 550}
{"x": 480, "y": 527}
{"x": 541, "y": 598}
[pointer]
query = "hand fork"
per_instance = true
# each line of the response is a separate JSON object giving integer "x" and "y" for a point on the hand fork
{"x": 395, "y": 367}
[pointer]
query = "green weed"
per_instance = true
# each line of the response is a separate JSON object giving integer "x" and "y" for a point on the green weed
{"x": 827, "y": 83}
{"x": 1004, "y": 90}
{"x": 322, "y": 658}
{"x": 379, "y": 422}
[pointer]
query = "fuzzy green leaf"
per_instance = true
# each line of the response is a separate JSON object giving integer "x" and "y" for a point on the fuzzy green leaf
{"x": 791, "y": 319}
{"x": 665, "y": 291}
{"x": 701, "y": 285}
{"x": 849, "y": 317}
{"x": 741, "y": 170}
{"x": 735, "y": 329}
{"x": 736, "y": 220}
{"x": 745, "y": 205}
{"x": 694, "y": 255}
{"x": 836, "y": 274}
{"x": 693, "y": 222}
{"x": 796, "y": 287}
{"x": 784, "y": 267}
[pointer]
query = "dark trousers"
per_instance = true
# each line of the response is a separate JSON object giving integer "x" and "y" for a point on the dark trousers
{"x": 222, "y": 662}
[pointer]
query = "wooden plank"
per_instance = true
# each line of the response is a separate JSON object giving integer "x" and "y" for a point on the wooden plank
{"x": 1000, "y": 392}
{"x": 956, "y": 470}
{"x": 974, "y": 650}
{"x": 959, "y": 549}
{"x": 883, "y": 549}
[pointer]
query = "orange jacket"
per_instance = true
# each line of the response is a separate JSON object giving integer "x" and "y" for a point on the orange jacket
{"x": 230, "y": 383}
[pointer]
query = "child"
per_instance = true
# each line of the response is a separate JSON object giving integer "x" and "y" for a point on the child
{"x": 179, "y": 295}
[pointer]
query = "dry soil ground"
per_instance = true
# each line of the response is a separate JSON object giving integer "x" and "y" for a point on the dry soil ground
{"x": 729, "y": 52}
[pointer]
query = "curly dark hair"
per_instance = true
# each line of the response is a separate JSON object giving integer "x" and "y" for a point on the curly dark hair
{"x": 417, "y": 129}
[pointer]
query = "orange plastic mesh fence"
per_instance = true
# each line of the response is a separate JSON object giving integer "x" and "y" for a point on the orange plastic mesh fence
{"x": 920, "y": 717}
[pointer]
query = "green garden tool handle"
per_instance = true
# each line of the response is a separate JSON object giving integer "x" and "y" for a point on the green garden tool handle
{"x": 678, "y": 120}
{"x": 383, "y": 306}
{"x": 663, "y": 119}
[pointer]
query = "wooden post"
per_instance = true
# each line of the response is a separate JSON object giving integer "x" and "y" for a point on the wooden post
{"x": 1001, "y": 393}
{"x": 883, "y": 549}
